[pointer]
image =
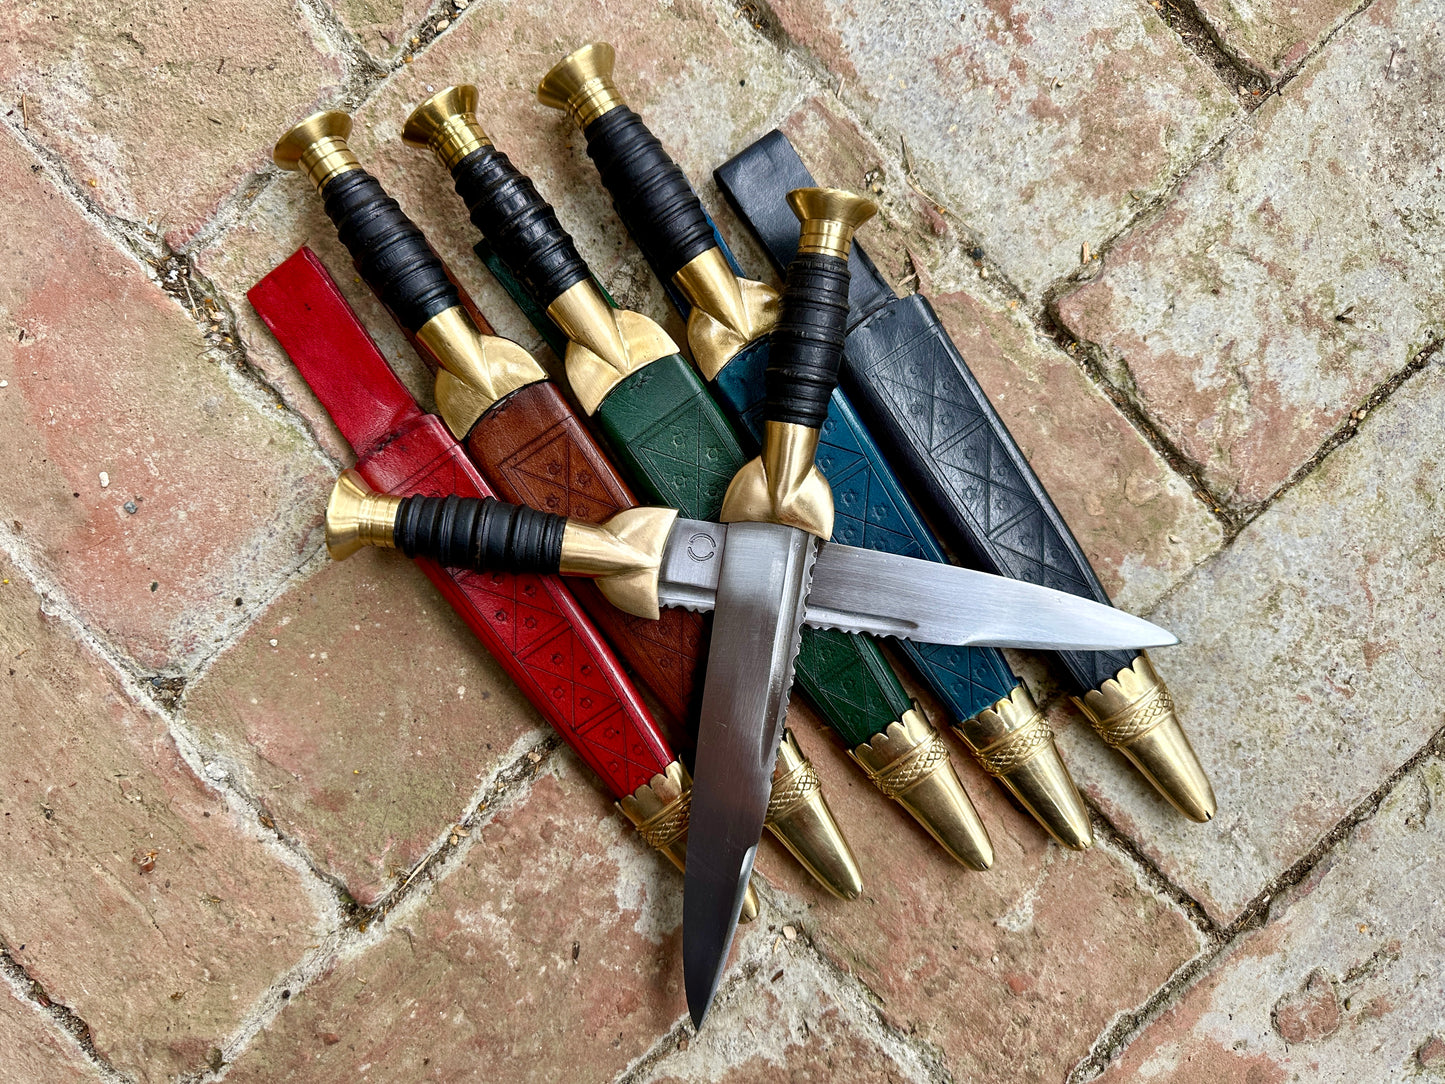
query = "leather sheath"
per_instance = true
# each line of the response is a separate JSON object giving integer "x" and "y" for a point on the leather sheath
{"x": 918, "y": 397}
{"x": 532, "y": 625}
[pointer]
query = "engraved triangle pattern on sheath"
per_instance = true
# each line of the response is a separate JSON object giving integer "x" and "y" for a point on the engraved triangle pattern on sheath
{"x": 552, "y": 473}
{"x": 687, "y": 459}
{"x": 865, "y": 511}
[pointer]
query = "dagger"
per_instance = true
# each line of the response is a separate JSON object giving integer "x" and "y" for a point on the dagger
{"x": 728, "y": 318}
{"x": 916, "y": 389}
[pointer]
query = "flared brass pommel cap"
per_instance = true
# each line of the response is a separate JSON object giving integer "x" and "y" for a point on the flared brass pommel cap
{"x": 581, "y": 83}
{"x": 356, "y": 517}
{"x": 317, "y": 147}
{"x": 660, "y": 810}
{"x": 830, "y": 217}
{"x": 909, "y": 763}
{"x": 1014, "y": 744}
{"x": 446, "y": 123}
{"x": 799, "y": 816}
{"x": 1134, "y": 713}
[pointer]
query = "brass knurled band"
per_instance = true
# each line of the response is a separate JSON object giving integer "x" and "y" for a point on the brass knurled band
{"x": 668, "y": 824}
{"x": 1015, "y": 748}
{"x": 1137, "y": 719}
{"x": 897, "y": 776}
{"x": 793, "y": 790}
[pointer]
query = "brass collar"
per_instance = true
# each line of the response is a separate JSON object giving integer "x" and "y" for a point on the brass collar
{"x": 728, "y": 312}
{"x": 606, "y": 345}
{"x": 476, "y": 369}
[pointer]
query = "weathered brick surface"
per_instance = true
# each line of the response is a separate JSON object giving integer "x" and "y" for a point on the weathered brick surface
{"x": 364, "y": 714}
{"x": 1298, "y": 270}
{"x": 384, "y": 27}
{"x": 35, "y": 1051}
{"x": 1309, "y": 667}
{"x": 1273, "y": 36}
{"x": 1039, "y": 125}
{"x": 106, "y": 374}
{"x": 161, "y": 108}
{"x": 1010, "y": 973}
{"x": 1345, "y": 982}
{"x": 551, "y": 954}
{"x": 130, "y": 892}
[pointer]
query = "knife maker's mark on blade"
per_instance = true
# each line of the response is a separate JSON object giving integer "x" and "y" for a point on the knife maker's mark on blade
{"x": 690, "y": 565}
{"x": 763, "y": 584}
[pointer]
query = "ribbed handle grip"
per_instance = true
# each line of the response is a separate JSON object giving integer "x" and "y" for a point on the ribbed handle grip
{"x": 520, "y": 225}
{"x": 389, "y": 249}
{"x": 650, "y": 192}
{"x": 480, "y": 533}
{"x": 807, "y": 344}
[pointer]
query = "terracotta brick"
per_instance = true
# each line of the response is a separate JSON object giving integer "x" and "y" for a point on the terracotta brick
{"x": 1342, "y": 985}
{"x": 1270, "y": 36}
{"x": 1012, "y": 973}
{"x": 551, "y": 954}
{"x": 1295, "y": 272}
{"x": 131, "y": 892}
{"x": 1040, "y": 125}
{"x": 34, "y": 1050}
{"x": 211, "y": 498}
{"x": 1309, "y": 669}
{"x": 160, "y": 109}
{"x": 364, "y": 714}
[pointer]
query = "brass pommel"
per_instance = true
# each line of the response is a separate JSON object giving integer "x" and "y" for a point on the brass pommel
{"x": 1134, "y": 713}
{"x": 624, "y": 554}
{"x": 660, "y": 810}
{"x": 581, "y": 83}
{"x": 798, "y": 815}
{"x": 446, "y": 123}
{"x": 783, "y": 485}
{"x": 830, "y": 217}
{"x": 1013, "y": 743}
{"x": 357, "y": 517}
{"x": 317, "y": 147}
{"x": 909, "y": 763}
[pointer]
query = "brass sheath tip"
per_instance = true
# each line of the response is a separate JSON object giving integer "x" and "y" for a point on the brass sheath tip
{"x": 581, "y": 84}
{"x": 317, "y": 147}
{"x": 830, "y": 216}
{"x": 799, "y": 816}
{"x": 356, "y": 517}
{"x": 446, "y": 123}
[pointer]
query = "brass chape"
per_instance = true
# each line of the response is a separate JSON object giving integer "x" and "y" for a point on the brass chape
{"x": 798, "y": 815}
{"x": 1134, "y": 713}
{"x": 317, "y": 147}
{"x": 909, "y": 763}
{"x": 605, "y": 345}
{"x": 447, "y": 125}
{"x": 660, "y": 810}
{"x": 728, "y": 312}
{"x": 477, "y": 369}
{"x": 830, "y": 216}
{"x": 624, "y": 554}
{"x": 356, "y": 517}
{"x": 1014, "y": 744}
{"x": 581, "y": 84}
{"x": 783, "y": 485}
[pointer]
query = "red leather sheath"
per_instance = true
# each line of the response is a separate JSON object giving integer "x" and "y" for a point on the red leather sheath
{"x": 531, "y": 624}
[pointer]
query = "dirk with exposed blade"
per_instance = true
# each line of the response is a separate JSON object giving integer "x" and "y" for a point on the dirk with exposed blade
{"x": 728, "y": 321}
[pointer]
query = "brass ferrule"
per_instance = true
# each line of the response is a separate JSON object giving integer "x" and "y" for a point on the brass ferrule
{"x": 1134, "y": 713}
{"x": 605, "y": 345}
{"x": 783, "y": 485}
{"x": 660, "y": 810}
{"x": 728, "y": 312}
{"x": 317, "y": 147}
{"x": 476, "y": 370}
{"x": 446, "y": 123}
{"x": 798, "y": 815}
{"x": 909, "y": 763}
{"x": 581, "y": 83}
{"x": 357, "y": 517}
{"x": 830, "y": 216}
{"x": 624, "y": 554}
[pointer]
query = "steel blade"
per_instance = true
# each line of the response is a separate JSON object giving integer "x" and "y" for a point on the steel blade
{"x": 763, "y": 579}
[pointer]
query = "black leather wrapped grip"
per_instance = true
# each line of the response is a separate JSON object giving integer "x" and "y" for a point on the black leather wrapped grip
{"x": 480, "y": 533}
{"x": 519, "y": 224}
{"x": 650, "y": 192}
{"x": 389, "y": 249}
{"x": 807, "y": 343}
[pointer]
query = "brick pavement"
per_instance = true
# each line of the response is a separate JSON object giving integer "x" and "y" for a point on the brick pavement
{"x": 271, "y": 819}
